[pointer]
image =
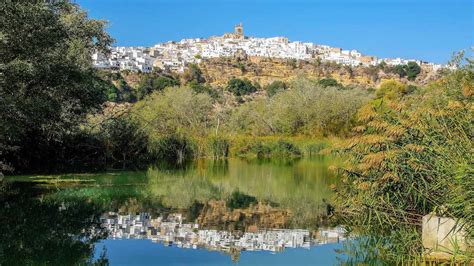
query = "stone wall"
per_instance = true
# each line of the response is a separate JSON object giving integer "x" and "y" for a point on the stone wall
{"x": 443, "y": 237}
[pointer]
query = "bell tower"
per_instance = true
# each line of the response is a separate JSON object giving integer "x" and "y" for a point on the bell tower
{"x": 239, "y": 30}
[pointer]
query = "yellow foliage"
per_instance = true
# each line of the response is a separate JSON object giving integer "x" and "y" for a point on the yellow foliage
{"x": 359, "y": 129}
{"x": 374, "y": 159}
{"x": 366, "y": 113}
{"x": 414, "y": 147}
{"x": 395, "y": 131}
{"x": 374, "y": 139}
{"x": 391, "y": 89}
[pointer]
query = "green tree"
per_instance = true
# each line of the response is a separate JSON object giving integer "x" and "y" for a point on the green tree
{"x": 124, "y": 92}
{"x": 329, "y": 82}
{"x": 124, "y": 143}
{"x": 306, "y": 109}
{"x": 174, "y": 111}
{"x": 47, "y": 82}
{"x": 240, "y": 87}
{"x": 412, "y": 69}
{"x": 112, "y": 92}
{"x": 204, "y": 88}
{"x": 400, "y": 70}
{"x": 275, "y": 87}
{"x": 150, "y": 83}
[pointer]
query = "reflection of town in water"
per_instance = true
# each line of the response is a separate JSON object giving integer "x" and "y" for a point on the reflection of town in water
{"x": 172, "y": 230}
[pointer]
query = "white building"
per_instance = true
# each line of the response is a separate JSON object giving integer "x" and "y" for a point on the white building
{"x": 176, "y": 56}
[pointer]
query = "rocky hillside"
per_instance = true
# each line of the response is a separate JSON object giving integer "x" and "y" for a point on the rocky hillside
{"x": 218, "y": 71}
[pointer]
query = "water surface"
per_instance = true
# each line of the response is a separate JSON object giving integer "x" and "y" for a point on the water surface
{"x": 256, "y": 212}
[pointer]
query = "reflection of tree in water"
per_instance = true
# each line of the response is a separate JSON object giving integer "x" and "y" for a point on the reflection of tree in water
{"x": 34, "y": 232}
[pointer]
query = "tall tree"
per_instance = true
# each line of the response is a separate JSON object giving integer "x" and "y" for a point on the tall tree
{"x": 413, "y": 69}
{"x": 47, "y": 82}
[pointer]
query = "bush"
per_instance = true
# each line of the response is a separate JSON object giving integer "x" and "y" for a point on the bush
{"x": 173, "y": 149}
{"x": 260, "y": 150}
{"x": 285, "y": 149}
{"x": 239, "y": 200}
{"x": 175, "y": 111}
{"x": 219, "y": 147}
{"x": 275, "y": 87}
{"x": 203, "y": 88}
{"x": 391, "y": 89}
{"x": 125, "y": 144}
{"x": 150, "y": 83}
{"x": 413, "y": 69}
{"x": 240, "y": 87}
{"x": 410, "y": 70}
{"x": 400, "y": 70}
{"x": 329, "y": 82}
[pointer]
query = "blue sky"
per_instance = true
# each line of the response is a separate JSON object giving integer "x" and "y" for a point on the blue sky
{"x": 422, "y": 29}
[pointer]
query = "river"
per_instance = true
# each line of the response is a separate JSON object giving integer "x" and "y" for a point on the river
{"x": 244, "y": 212}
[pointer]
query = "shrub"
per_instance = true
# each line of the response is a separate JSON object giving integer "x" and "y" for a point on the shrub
{"x": 150, "y": 83}
{"x": 219, "y": 147}
{"x": 175, "y": 111}
{"x": 285, "y": 149}
{"x": 125, "y": 144}
{"x": 240, "y": 87}
{"x": 173, "y": 149}
{"x": 413, "y": 69}
{"x": 410, "y": 70}
{"x": 275, "y": 87}
{"x": 260, "y": 150}
{"x": 329, "y": 82}
{"x": 239, "y": 200}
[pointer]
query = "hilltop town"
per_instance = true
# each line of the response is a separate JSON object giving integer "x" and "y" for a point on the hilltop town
{"x": 175, "y": 56}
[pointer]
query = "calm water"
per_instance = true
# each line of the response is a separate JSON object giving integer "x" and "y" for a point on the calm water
{"x": 206, "y": 213}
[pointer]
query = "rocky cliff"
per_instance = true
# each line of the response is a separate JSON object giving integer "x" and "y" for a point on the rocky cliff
{"x": 218, "y": 71}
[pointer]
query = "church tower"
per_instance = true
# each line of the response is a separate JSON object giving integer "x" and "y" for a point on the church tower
{"x": 239, "y": 30}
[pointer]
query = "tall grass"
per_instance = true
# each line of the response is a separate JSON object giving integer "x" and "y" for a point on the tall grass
{"x": 411, "y": 155}
{"x": 219, "y": 147}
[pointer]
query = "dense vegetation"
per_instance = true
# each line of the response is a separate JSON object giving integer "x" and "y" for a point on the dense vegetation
{"x": 411, "y": 155}
{"x": 210, "y": 126}
{"x": 47, "y": 83}
{"x": 307, "y": 108}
